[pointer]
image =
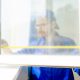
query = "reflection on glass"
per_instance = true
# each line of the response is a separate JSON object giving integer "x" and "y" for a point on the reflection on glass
{"x": 55, "y": 23}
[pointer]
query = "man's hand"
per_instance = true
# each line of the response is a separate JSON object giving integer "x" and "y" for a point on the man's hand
{"x": 4, "y": 45}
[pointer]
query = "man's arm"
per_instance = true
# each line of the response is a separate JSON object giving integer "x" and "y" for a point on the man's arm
{"x": 4, "y": 44}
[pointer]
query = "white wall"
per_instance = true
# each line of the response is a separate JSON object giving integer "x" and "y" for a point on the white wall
{"x": 7, "y": 72}
{"x": 15, "y": 21}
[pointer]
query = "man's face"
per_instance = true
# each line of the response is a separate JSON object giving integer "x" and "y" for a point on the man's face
{"x": 42, "y": 26}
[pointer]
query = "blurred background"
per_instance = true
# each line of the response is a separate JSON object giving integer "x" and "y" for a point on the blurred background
{"x": 16, "y": 15}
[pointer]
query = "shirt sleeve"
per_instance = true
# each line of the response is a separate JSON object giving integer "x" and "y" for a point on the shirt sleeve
{"x": 77, "y": 70}
{"x": 26, "y": 51}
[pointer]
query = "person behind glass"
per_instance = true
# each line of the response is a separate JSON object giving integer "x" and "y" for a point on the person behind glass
{"x": 43, "y": 32}
{"x": 45, "y": 27}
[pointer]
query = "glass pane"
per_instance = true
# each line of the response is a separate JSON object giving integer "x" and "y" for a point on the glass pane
{"x": 51, "y": 24}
